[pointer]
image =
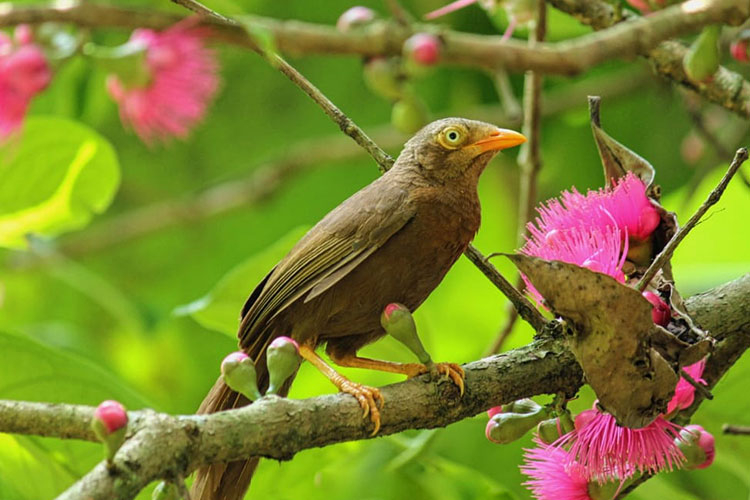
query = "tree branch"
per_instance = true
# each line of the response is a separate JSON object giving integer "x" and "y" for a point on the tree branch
{"x": 638, "y": 35}
{"x": 278, "y": 428}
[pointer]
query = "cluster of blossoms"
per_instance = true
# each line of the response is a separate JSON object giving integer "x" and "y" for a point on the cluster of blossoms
{"x": 162, "y": 81}
{"x": 595, "y": 458}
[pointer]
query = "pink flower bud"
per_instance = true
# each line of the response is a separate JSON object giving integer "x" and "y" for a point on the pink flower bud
{"x": 584, "y": 418}
{"x": 739, "y": 50}
{"x": 494, "y": 411}
{"x": 392, "y": 308}
{"x": 23, "y": 34}
{"x": 697, "y": 445}
{"x": 112, "y": 414}
{"x": 356, "y": 16}
{"x": 235, "y": 357}
{"x": 282, "y": 341}
{"x": 660, "y": 313}
{"x": 423, "y": 48}
{"x": 25, "y": 71}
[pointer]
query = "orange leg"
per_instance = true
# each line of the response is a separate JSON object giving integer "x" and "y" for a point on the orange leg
{"x": 367, "y": 397}
{"x": 452, "y": 370}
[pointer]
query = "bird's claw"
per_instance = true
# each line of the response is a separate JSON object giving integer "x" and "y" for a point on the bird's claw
{"x": 452, "y": 371}
{"x": 368, "y": 398}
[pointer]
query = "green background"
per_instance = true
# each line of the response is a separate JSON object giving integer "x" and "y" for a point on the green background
{"x": 147, "y": 320}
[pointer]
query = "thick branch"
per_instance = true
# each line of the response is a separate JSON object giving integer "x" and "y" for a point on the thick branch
{"x": 279, "y": 428}
{"x": 625, "y": 40}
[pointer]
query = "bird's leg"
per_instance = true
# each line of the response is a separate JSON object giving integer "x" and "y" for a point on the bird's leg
{"x": 367, "y": 397}
{"x": 452, "y": 370}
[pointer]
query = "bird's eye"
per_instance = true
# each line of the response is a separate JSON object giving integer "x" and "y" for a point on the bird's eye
{"x": 451, "y": 137}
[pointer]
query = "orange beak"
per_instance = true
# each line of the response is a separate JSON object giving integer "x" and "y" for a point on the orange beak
{"x": 498, "y": 140}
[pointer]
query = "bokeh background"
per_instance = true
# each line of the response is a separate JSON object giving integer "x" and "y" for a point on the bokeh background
{"x": 141, "y": 303}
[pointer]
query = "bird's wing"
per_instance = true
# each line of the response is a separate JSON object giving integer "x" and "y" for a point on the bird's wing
{"x": 327, "y": 253}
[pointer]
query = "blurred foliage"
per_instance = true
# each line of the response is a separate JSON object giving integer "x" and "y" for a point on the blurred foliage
{"x": 102, "y": 324}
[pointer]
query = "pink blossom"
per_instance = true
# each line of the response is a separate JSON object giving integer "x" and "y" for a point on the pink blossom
{"x": 605, "y": 450}
{"x": 182, "y": 81}
{"x": 660, "y": 312}
{"x": 112, "y": 414}
{"x": 598, "y": 249}
{"x": 684, "y": 393}
{"x": 705, "y": 441}
{"x": 554, "y": 474}
{"x": 24, "y": 73}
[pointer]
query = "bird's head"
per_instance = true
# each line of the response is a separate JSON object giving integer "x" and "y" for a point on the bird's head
{"x": 457, "y": 147}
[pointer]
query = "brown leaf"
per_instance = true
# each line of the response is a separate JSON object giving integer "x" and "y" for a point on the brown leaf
{"x": 610, "y": 337}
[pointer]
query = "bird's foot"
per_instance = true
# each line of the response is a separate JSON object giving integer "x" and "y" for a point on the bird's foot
{"x": 368, "y": 398}
{"x": 453, "y": 371}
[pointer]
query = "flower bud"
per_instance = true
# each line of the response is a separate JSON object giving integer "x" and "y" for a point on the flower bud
{"x": 110, "y": 423}
{"x": 398, "y": 322}
{"x": 660, "y": 313}
{"x": 505, "y": 428}
{"x": 702, "y": 60}
{"x": 739, "y": 50}
{"x": 552, "y": 429}
{"x": 383, "y": 77}
{"x": 165, "y": 491}
{"x": 525, "y": 405}
{"x": 423, "y": 49}
{"x": 494, "y": 411}
{"x": 23, "y": 34}
{"x": 283, "y": 360}
{"x": 584, "y": 418}
{"x": 238, "y": 372}
{"x": 409, "y": 115}
{"x": 355, "y": 17}
{"x": 697, "y": 445}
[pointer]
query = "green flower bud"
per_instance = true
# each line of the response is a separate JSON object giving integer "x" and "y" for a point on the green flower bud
{"x": 239, "y": 374}
{"x": 552, "y": 429}
{"x": 383, "y": 77}
{"x": 283, "y": 360}
{"x": 525, "y": 405}
{"x": 702, "y": 60}
{"x": 398, "y": 322}
{"x": 505, "y": 428}
{"x": 409, "y": 115}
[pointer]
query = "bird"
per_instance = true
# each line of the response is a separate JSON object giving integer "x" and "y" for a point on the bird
{"x": 393, "y": 241}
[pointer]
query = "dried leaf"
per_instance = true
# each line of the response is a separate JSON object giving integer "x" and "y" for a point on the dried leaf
{"x": 611, "y": 338}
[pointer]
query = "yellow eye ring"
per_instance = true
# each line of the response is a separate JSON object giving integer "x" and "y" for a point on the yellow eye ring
{"x": 451, "y": 137}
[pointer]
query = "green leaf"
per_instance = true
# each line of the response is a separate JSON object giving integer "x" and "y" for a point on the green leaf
{"x": 35, "y": 372}
{"x": 28, "y": 471}
{"x": 219, "y": 308}
{"x": 54, "y": 179}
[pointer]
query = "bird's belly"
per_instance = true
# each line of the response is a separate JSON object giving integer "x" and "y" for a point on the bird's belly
{"x": 406, "y": 270}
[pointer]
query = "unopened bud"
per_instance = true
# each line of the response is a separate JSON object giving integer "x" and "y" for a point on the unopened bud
{"x": 524, "y": 405}
{"x": 283, "y": 360}
{"x": 238, "y": 372}
{"x": 660, "y": 312}
{"x": 398, "y": 322}
{"x": 702, "y": 59}
{"x": 494, "y": 411}
{"x": 110, "y": 423}
{"x": 697, "y": 445}
{"x": 552, "y": 429}
{"x": 383, "y": 77}
{"x": 739, "y": 50}
{"x": 409, "y": 115}
{"x": 354, "y": 17}
{"x": 505, "y": 428}
{"x": 423, "y": 49}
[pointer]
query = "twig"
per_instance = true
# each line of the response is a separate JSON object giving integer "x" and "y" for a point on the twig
{"x": 737, "y": 430}
{"x": 525, "y": 309}
{"x": 637, "y": 36}
{"x": 511, "y": 316}
{"x": 345, "y": 123}
{"x": 666, "y": 253}
{"x": 530, "y": 157}
{"x": 698, "y": 386}
{"x": 508, "y": 100}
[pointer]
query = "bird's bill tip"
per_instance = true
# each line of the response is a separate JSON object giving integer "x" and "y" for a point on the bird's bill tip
{"x": 498, "y": 140}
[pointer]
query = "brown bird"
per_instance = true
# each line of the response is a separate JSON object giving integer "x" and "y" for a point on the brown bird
{"x": 392, "y": 241}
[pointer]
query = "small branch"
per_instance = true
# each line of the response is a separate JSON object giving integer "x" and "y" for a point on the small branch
{"x": 737, "y": 430}
{"x": 525, "y": 309}
{"x": 697, "y": 385}
{"x": 713, "y": 198}
{"x": 511, "y": 316}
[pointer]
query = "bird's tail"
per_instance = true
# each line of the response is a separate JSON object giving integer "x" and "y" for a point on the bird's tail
{"x": 229, "y": 481}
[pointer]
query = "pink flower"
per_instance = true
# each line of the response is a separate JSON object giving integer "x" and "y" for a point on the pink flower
{"x": 605, "y": 450}
{"x": 112, "y": 414}
{"x": 660, "y": 312}
{"x": 182, "y": 81}
{"x": 598, "y": 249}
{"x": 684, "y": 393}
{"x": 24, "y": 73}
{"x": 553, "y": 474}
